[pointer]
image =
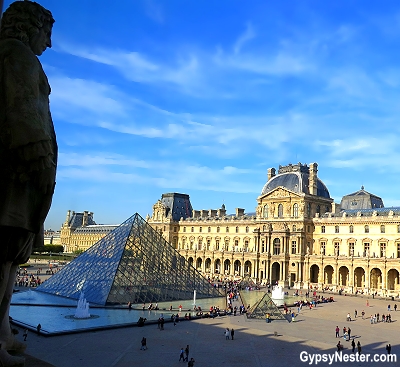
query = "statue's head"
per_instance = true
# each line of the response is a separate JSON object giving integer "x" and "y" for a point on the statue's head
{"x": 28, "y": 22}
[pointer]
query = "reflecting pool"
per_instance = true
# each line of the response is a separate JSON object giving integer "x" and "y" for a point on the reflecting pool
{"x": 31, "y": 308}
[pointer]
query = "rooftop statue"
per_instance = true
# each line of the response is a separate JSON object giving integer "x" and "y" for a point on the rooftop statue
{"x": 28, "y": 150}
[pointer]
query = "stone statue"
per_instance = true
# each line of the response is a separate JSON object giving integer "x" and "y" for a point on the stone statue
{"x": 28, "y": 150}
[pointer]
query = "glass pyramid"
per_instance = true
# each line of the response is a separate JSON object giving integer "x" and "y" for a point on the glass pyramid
{"x": 266, "y": 305}
{"x": 133, "y": 263}
{"x": 247, "y": 282}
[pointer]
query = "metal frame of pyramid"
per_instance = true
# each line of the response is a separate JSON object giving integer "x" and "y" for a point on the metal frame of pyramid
{"x": 133, "y": 263}
{"x": 266, "y": 305}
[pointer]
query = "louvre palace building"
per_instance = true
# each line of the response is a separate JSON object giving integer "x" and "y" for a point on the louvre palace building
{"x": 297, "y": 236}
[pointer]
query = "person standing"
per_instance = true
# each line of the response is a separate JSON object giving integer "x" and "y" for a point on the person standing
{"x": 355, "y": 314}
{"x": 191, "y": 362}
{"x": 353, "y": 345}
{"x": 395, "y": 306}
{"x": 182, "y": 355}
{"x": 359, "y": 347}
{"x": 232, "y": 333}
{"x": 186, "y": 353}
{"x": 144, "y": 344}
{"x": 337, "y": 331}
{"x": 389, "y": 349}
{"x": 349, "y": 333}
{"x": 38, "y": 328}
{"x": 25, "y": 334}
{"x": 227, "y": 334}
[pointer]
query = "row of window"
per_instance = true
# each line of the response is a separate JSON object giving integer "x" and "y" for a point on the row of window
{"x": 294, "y": 210}
{"x": 366, "y": 229}
{"x": 366, "y": 250}
{"x": 218, "y": 229}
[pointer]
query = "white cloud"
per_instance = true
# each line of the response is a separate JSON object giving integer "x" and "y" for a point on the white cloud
{"x": 245, "y": 37}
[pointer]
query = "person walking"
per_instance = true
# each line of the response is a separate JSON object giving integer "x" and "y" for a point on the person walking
{"x": 25, "y": 334}
{"x": 191, "y": 362}
{"x": 232, "y": 333}
{"x": 389, "y": 349}
{"x": 353, "y": 345}
{"x": 363, "y": 314}
{"x": 38, "y": 328}
{"x": 389, "y": 308}
{"x": 182, "y": 355}
{"x": 337, "y": 331}
{"x": 227, "y": 334}
{"x": 349, "y": 333}
{"x": 355, "y": 314}
{"x": 359, "y": 347}
{"x": 186, "y": 353}
{"x": 395, "y": 306}
{"x": 144, "y": 344}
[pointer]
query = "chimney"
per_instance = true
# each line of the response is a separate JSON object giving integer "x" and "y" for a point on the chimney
{"x": 85, "y": 218}
{"x": 239, "y": 212}
{"x": 313, "y": 179}
{"x": 68, "y": 216}
{"x": 271, "y": 173}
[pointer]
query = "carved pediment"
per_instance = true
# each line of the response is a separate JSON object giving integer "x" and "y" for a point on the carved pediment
{"x": 281, "y": 192}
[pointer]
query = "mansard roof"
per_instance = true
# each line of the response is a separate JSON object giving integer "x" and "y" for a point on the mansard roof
{"x": 361, "y": 199}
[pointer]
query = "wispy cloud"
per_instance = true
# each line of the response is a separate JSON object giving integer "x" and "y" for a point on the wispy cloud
{"x": 245, "y": 37}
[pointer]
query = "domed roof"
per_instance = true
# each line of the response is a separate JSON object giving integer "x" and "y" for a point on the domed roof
{"x": 296, "y": 179}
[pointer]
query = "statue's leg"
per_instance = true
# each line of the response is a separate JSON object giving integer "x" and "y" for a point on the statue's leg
{"x": 7, "y": 341}
{"x": 5, "y": 299}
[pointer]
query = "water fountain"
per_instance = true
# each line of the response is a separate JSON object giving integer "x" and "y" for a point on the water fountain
{"x": 277, "y": 292}
{"x": 82, "y": 309}
{"x": 194, "y": 298}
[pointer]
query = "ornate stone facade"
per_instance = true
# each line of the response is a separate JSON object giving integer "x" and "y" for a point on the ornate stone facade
{"x": 297, "y": 236}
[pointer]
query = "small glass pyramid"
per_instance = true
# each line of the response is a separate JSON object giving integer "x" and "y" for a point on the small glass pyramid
{"x": 133, "y": 263}
{"x": 266, "y": 305}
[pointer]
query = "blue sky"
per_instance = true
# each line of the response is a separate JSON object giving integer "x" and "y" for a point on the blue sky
{"x": 202, "y": 97}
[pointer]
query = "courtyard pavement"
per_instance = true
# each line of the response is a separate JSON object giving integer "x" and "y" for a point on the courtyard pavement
{"x": 254, "y": 345}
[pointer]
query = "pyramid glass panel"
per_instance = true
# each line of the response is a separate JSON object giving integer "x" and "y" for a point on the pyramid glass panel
{"x": 133, "y": 263}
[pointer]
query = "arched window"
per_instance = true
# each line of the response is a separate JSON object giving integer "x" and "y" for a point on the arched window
{"x": 318, "y": 209}
{"x": 184, "y": 229}
{"x": 322, "y": 229}
{"x": 327, "y": 209}
{"x": 296, "y": 210}
{"x": 351, "y": 229}
{"x": 247, "y": 229}
{"x": 294, "y": 228}
{"x": 201, "y": 229}
{"x": 336, "y": 229}
{"x": 382, "y": 229}
{"x": 309, "y": 210}
{"x": 237, "y": 229}
{"x": 209, "y": 229}
{"x": 265, "y": 211}
{"x": 264, "y": 228}
{"x": 280, "y": 210}
{"x": 366, "y": 229}
{"x": 218, "y": 229}
{"x": 227, "y": 229}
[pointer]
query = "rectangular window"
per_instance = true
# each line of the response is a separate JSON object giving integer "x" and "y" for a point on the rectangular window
{"x": 383, "y": 249}
{"x": 263, "y": 246}
{"x": 337, "y": 248}
{"x": 351, "y": 249}
{"x": 208, "y": 245}
{"x": 322, "y": 229}
{"x": 294, "y": 247}
{"x": 323, "y": 248}
{"x": 217, "y": 244}
{"x": 366, "y": 249}
{"x": 398, "y": 250}
{"x": 174, "y": 229}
